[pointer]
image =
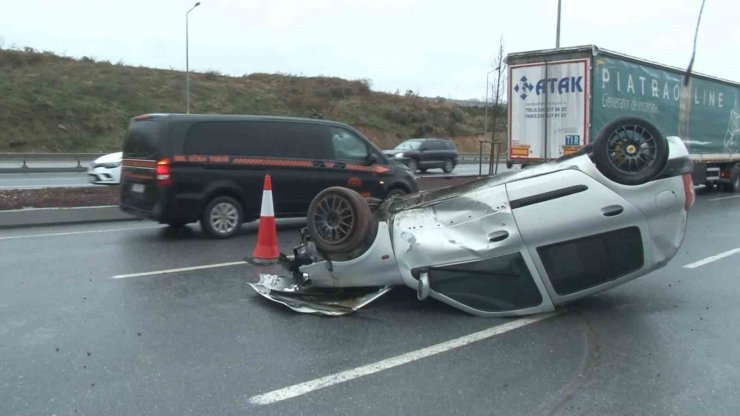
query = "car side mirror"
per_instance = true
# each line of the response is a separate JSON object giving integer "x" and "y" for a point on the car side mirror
{"x": 372, "y": 158}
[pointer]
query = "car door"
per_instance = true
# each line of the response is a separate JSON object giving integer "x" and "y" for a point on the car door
{"x": 581, "y": 234}
{"x": 426, "y": 154}
{"x": 468, "y": 253}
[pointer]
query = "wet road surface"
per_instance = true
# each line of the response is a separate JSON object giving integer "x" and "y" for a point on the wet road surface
{"x": 76, "y": 341}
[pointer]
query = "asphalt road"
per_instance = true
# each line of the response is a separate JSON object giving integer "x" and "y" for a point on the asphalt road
{"x": 56, "y": 180}
{"x": 75, "y": 341}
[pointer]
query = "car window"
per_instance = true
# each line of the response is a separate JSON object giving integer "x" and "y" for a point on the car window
{"x": 496, "y": 284}
{"x": 142, "y": 139}
{"x": 409, "y": 145}
{"x": 259, "y": 139}
{"x": 348, "y": 146}
{"x": 592, "y": 260}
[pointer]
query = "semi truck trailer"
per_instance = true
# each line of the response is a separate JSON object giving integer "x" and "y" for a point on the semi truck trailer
{"x": 560, "y": 99}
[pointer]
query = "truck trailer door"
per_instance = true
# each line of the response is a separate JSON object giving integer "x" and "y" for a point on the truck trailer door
{"x": 548, "y": 109}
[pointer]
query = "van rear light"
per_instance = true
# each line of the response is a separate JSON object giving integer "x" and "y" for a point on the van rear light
{"x": 163, "y": 172}
{"x": 688, "y": 190}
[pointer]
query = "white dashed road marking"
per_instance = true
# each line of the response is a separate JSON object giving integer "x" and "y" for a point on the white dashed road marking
{"x": 341, "y": 377}
{"x": 726, "y": 197}
{"x": 712, "y": 259}
{"x": 109, "y": 230}
{"x": 181, "y": 269}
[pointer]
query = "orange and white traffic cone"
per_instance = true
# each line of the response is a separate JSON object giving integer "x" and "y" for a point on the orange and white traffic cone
{"x": 267, "y": 250}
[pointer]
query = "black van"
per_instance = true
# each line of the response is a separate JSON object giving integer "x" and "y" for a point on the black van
{"x": 180, "y": 168}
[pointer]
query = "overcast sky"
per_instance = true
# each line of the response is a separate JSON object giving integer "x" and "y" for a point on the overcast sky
{"x": 438, "y": 48}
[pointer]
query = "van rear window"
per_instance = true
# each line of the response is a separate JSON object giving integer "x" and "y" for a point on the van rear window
{"x": 259, "y": 139}
{"x": 142, "y": 139}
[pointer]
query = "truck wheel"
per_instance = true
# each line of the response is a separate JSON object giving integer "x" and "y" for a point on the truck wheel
{"x": 630, "y": 151}
{"x": 338, "y": 220}
{"x": 222, "y": 217}
{"x": 735, "y": 180}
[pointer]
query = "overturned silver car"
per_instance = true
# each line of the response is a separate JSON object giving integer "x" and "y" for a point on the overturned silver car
{"x": 518, "y": 243}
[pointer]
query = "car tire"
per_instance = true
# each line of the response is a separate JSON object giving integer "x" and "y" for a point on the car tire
{"x": 449, "y": 166}
{"x": 338, "y": 220}
{"x": 413, "y": 165}
{"x": 222, "y": 217}
{"x": 423, "y": 170}
{"x": 630, "y": 151}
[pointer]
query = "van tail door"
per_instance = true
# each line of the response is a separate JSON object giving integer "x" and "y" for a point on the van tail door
{"x": 548, "y": 109}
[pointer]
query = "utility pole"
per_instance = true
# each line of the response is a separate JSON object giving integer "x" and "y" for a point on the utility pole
{"x": 557, "y": 33}
{"x": 187, "y": 58}
{"x": 485, "y": 117}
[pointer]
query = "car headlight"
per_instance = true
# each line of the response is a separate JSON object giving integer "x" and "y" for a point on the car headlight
{"x": 399, "y": 155}
{"x": 112, "y": 165}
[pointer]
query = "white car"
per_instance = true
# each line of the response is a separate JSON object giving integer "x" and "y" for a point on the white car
{"x": 106, "y": 170}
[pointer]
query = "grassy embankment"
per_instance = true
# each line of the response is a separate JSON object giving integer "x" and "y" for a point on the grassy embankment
{"x": 58, "y": 104}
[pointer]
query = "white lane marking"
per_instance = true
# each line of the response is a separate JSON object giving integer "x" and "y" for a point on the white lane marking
{"x": 108, "y": 230}
{"x": 711, "y": 259}
{"x": 725, "y": 197}
{"x": 341, "y": 377}
{"x": 181, "y": 269}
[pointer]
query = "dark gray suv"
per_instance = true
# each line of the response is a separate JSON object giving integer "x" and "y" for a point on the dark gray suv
{"x": 426, "y": 153}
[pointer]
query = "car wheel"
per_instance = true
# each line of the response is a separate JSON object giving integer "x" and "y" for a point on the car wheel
{"x": 449, "y": 166}
{"x": 412, "y": 164}
{"x": 423, "y": 170}
{"x": 630, "y": 151}
{"x": 395, "y": 192}
{"x": 338, "y": 220}
{"x": 222, "y": 217}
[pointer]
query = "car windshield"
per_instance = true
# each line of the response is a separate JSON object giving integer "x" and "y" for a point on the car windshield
{"x": 409, "y": 145}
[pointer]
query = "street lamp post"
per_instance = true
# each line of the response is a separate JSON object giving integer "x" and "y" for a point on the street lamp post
{"x": 187, "y": 58}
{"x": 557, "y": 32}
{"x": 485, "y": 117}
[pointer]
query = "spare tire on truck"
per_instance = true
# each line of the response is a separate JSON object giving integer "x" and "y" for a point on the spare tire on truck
{"x": 338, "y": 220}
{"x": 630, "y": 151}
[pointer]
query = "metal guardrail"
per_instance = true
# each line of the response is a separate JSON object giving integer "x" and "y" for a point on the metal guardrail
{"x": 30, "y": 162}
{"x": 19, "y": 162}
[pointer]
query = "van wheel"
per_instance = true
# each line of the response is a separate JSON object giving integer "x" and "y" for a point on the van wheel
{"x": 222, "y": 217}
{"x": 395, "y": 192}
{"x": 338, "y": 220}
{"x": 630, "y": 151}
